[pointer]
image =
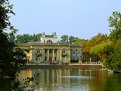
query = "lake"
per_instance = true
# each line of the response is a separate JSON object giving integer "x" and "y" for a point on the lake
{"x": 74, "y": 79}
{"x": 70, "y": 80}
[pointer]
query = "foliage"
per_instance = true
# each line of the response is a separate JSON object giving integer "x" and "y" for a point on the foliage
{"x": 116, "y": 56}
{"x": 36, "y": 37}
{"x": 23, "y": 38}
{"x": 5, "y": 11}
{"x": 28, "y": 38}
{"x": 94, "y": 41}
{"x": 79, "y": 41}
{"x": 104, "y": 51}
{"x": 64, "y": 38}
{"x": 104, "y": 48}
{"x": 71, "y": 39}
{"x": 27, "y": 84}
{"x": 11, "y": 57}
{"x": 115, "y": 36}
{"x": 115, "y": 26}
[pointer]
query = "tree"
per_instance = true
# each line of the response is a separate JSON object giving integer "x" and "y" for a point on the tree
{"x": 28, "y": 38}
{"x": 115, "y": 26}
{"x": 115, "y": 37}
{"x": 64, "y": 38}
{"x": 24, "y": 38}
{"x": 38, "y": 36}
{"x": 95, "y": 41}
{"x": 9, "y": 61}
{"x": 104, "y": 51}
{"x": 72, "y": 39}
{"x": 116, "y": 56}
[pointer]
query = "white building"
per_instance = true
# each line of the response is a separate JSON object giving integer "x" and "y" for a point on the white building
{"x": 50, "y": 50}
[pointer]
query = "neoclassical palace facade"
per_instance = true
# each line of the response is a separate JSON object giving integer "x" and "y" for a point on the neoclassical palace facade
{"x": 50, "y": 50}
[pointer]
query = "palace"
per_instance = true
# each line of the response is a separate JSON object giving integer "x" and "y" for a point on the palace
{"x": 50, "y": 50}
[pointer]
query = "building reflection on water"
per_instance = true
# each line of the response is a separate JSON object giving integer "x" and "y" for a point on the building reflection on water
{"x": 73, "y": 79}
{"x": 61, "y": 79}
{"x": 69, "y": 80}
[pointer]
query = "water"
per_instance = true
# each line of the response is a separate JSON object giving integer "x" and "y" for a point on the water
{"x": 72, "y": 80}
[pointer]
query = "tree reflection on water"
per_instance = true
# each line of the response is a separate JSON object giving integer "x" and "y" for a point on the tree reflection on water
{"x": 71, "y": 79}
{"x": 67, "y": 80}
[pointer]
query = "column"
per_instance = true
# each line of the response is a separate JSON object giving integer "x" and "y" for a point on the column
{"x": 53, "y": 55}
{"x": 47, "y": 55}
{"x": 69, "y": 55}
{"x": 58, "y": 55}
{"x": 33, "y": 55}
{"x": 65, "y": 58}
{"x": 42, "y": 55}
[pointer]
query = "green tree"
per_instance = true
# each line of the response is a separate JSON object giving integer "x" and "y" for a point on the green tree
{"x": 23, "y": 38}
{"x": 116, "y": 56}
{"x": 94, "y": 41}
{"x": 115, "y": 37}
{"x": 9, "y": 61}
{"x": 64, "y": 38}
{"x": 72, "y": 39}
{"x": 38, "y": 36}
{"x": 104, "y": 51}
{"x": 115, "y": 26}
{"x": 28, "y": 38}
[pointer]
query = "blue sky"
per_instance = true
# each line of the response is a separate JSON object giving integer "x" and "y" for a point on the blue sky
{"x": 81, "y": 18}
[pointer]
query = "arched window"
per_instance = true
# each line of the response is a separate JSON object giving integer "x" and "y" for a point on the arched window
{"x": 49, "y": 41}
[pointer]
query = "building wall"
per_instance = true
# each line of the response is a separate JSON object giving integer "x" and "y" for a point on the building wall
{"x": 50, "y": 53}
{"x": 49, "y": 38}
{"x": 75, "y": 54}
{"x": 45, "y": 39}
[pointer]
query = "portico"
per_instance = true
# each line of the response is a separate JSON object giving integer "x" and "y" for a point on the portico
{"x": 50, "y": 55}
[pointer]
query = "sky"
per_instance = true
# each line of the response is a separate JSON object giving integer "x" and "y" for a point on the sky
{"x": 79, "y": 18}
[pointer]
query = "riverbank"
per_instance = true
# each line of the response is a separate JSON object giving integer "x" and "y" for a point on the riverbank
{"x": 81, "y": 66}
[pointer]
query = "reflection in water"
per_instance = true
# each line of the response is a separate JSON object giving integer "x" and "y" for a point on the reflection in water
{"x": 80, "y": 77}
{"x": 73, "y": 79}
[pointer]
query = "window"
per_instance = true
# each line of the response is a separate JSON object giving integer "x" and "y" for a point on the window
{"x": 55, "y": 58}
{"x": 63, "y": 50}
{"x": 38, "y": 50}
{"x": 55, "y": 50}
{"x": 49, "y": 41}
{"x": 50, "y": 51}
{"x": 45, "y": 58}
{"x": 73, "y": 52}
{"x": 45, "y": 51}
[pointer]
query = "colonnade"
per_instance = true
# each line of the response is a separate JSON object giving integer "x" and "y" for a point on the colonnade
{"x": 46, "y": 55}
